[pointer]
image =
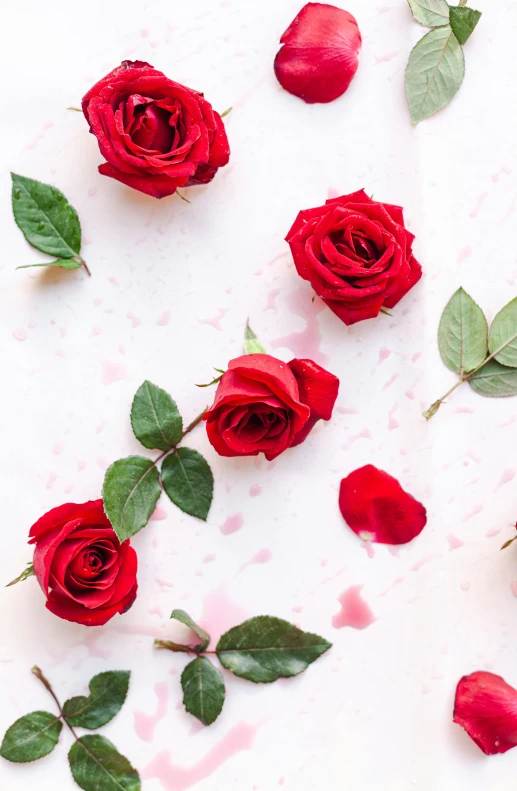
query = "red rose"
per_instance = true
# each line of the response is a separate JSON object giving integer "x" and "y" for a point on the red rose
{"x": 263, "y": 405}
{"x": 156, "y": 134}
{"x": 84, "y": 571}
{"x": 356, "y": 253}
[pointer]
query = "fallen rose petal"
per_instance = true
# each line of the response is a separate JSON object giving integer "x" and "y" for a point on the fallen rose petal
{"x": 376, "y": 507}
{"x": 320, "y": 53}
{"x": 486, "y": 706}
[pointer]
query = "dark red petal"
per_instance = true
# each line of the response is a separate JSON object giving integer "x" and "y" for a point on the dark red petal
{"x": 486, "y": 706}
{"x": 320, "y": 53}
{"x": 376, "y": 507}
{"x": 70, "y": 610}
{"x": 318, "y": 390}
{"x": 157, "y": 185}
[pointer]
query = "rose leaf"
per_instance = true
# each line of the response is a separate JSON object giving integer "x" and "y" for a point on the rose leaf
{"x": 431, "y": 13}
{"x": 252, "y": 345}
{"x": 31, "y": 737}
{"x": 130, "y": 492}
{"x": 462, "y": 334}
{"x": 184, "y": 618}
{"x": 96, "y": 765}
{"x": 45, "y": 217}
{"x": 203, "y": 690}
{"x": 502, "y": 338}
{"x": 494, "y": 380}
{"x": 264, "y": 648}
{"x": 434, "y": 73}
{"x": 463, "y": 21}
{"x": 188, "y": 481}
{"x": 155, "y": 418}
{"x": 107, "y": 695}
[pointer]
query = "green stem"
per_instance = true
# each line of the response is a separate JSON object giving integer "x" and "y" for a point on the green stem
{"x": 169, "y": 645}
{"x": 37, "y": 672}
{"x": 83, "y": 262}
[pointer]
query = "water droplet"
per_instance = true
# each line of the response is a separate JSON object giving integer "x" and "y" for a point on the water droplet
{"x": 41, "y": 226}
{"x": 17, "y": 194}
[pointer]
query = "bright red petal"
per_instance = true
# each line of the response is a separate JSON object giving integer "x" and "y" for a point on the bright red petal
{"x": 318, "y": 390}
{"x": 486, "y": 706}
{"x": 320, "y": 53}
{"x": 376, "y": 507}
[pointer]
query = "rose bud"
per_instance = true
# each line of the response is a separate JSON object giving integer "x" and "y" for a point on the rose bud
{"x": 263, "y": 405}
{"x": 84, "y": 571}
{"x": 320, "y": 53}
{"x": 356, "y": 253}
{"x": 155, "y": 134}
{"x": 375, "y": 506}
{"x": 486, "y": 706}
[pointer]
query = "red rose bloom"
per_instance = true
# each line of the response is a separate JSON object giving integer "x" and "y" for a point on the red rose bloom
{"x": 320, "y": 53}
{"x": 486, "y": 706}
{"x": 263, "y": 405}
{"x": 376, "y": 507}
{"x": 156, "y": 134}
{"x": 356, "y": 253}
{"x": 84, "y": 571}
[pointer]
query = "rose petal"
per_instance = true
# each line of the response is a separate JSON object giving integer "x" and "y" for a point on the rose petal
{"x": 320, "y": 53}
{"x": 376, "y": 508}
{"x": 318, "y": 390}
{"x": 486, "y": 706}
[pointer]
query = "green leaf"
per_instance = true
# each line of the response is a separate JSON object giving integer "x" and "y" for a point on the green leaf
{"x": 188, "y": 481}
{"x": 203, "y": 690}
{"x": 462, "y": 334}
{"x": 434, "y": 73}
{"x": 502, "y": 338}
{"x": 155, "y": 418}
{"x": 184, "y": 618}
{"x": 63, "y": 263}
{"x": 494, "y": 380}
{"x": 431, "y": 13}
{"x": 97, "y": 766}
{"x": 107, "y": 694}
{"x": 45, "y": 217}
{"x": 26, "y": 573}
{"x": 265, "y": 648}
{"x": 252, "y": 345}
{"x": 31, "y": 737}
{"x": 463, "y": 21}
{"x": 130, "y": 493}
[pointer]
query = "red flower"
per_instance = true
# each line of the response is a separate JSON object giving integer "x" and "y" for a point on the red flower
{"x": 376, "y": 507}
{"x": 486, "y": 706}
{"x": 84, "y": 571}
{"x": 356, "y": 253}
{"x": 320, "y": 53}
{"x": 263, "y": 405}
{"x": 156, "y": 134}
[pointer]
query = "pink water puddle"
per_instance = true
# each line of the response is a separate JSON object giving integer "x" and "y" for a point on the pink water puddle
{"x": 355, "y": 612}
{"x": 146, "y": 723}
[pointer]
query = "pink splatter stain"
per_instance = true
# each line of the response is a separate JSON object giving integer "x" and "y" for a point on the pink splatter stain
{"x": 52, "y": 477}
{"x": 365, "y": 433}
{"x": 476, "y": 510}
{"x": 368, "y": 548}
{"x": 146, "y": 723}
{"x": 113, "y": 372}
{"x": 215, "y": 321}
{"x": 354, "y": 612}
{"x": 513, "y": 587}
{"x": 57, "y": 448}
{"x": 271, "y": 298}
{"x": 255, "y": 490}
{"x": 464, "y": 253}
{"x": 507, "y": 476}
{"x": 397, "y": 581}
{"x": 479, "y": 202}
{"x": 178, "y": 778}
{"x": 384, "y": 353}
{"x": 348, "y": 410}
{"x": 503, "y": 170}
{"x": 262, "y": 556}
{"x": 209, "y": 558}
{"x": 35, "y": 140}
{"x": 135, "y": 320}
{"x": 94, "y": 648}
{"x": 454, "y": 542}
{"x": 418, "y": 565}
{"x": 390, "y": 381}
{"x": 164, "y": 319}
{"x": 20, "y": 335}
{"x": 386, "y": 58}
{"x": 232, "y": 524}
{"x": 220, "y": 613}
{"x": 158, "y": 514}
{"x": 393, "y": 422}
{"x": 305, "y": 343}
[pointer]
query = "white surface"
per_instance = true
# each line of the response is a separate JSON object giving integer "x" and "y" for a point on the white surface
{"x": 375, "y": 713}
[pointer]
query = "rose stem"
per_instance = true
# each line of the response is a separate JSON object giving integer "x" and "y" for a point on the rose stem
{"x": 178, "y": 648}
{"x": 83, "y": 262}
